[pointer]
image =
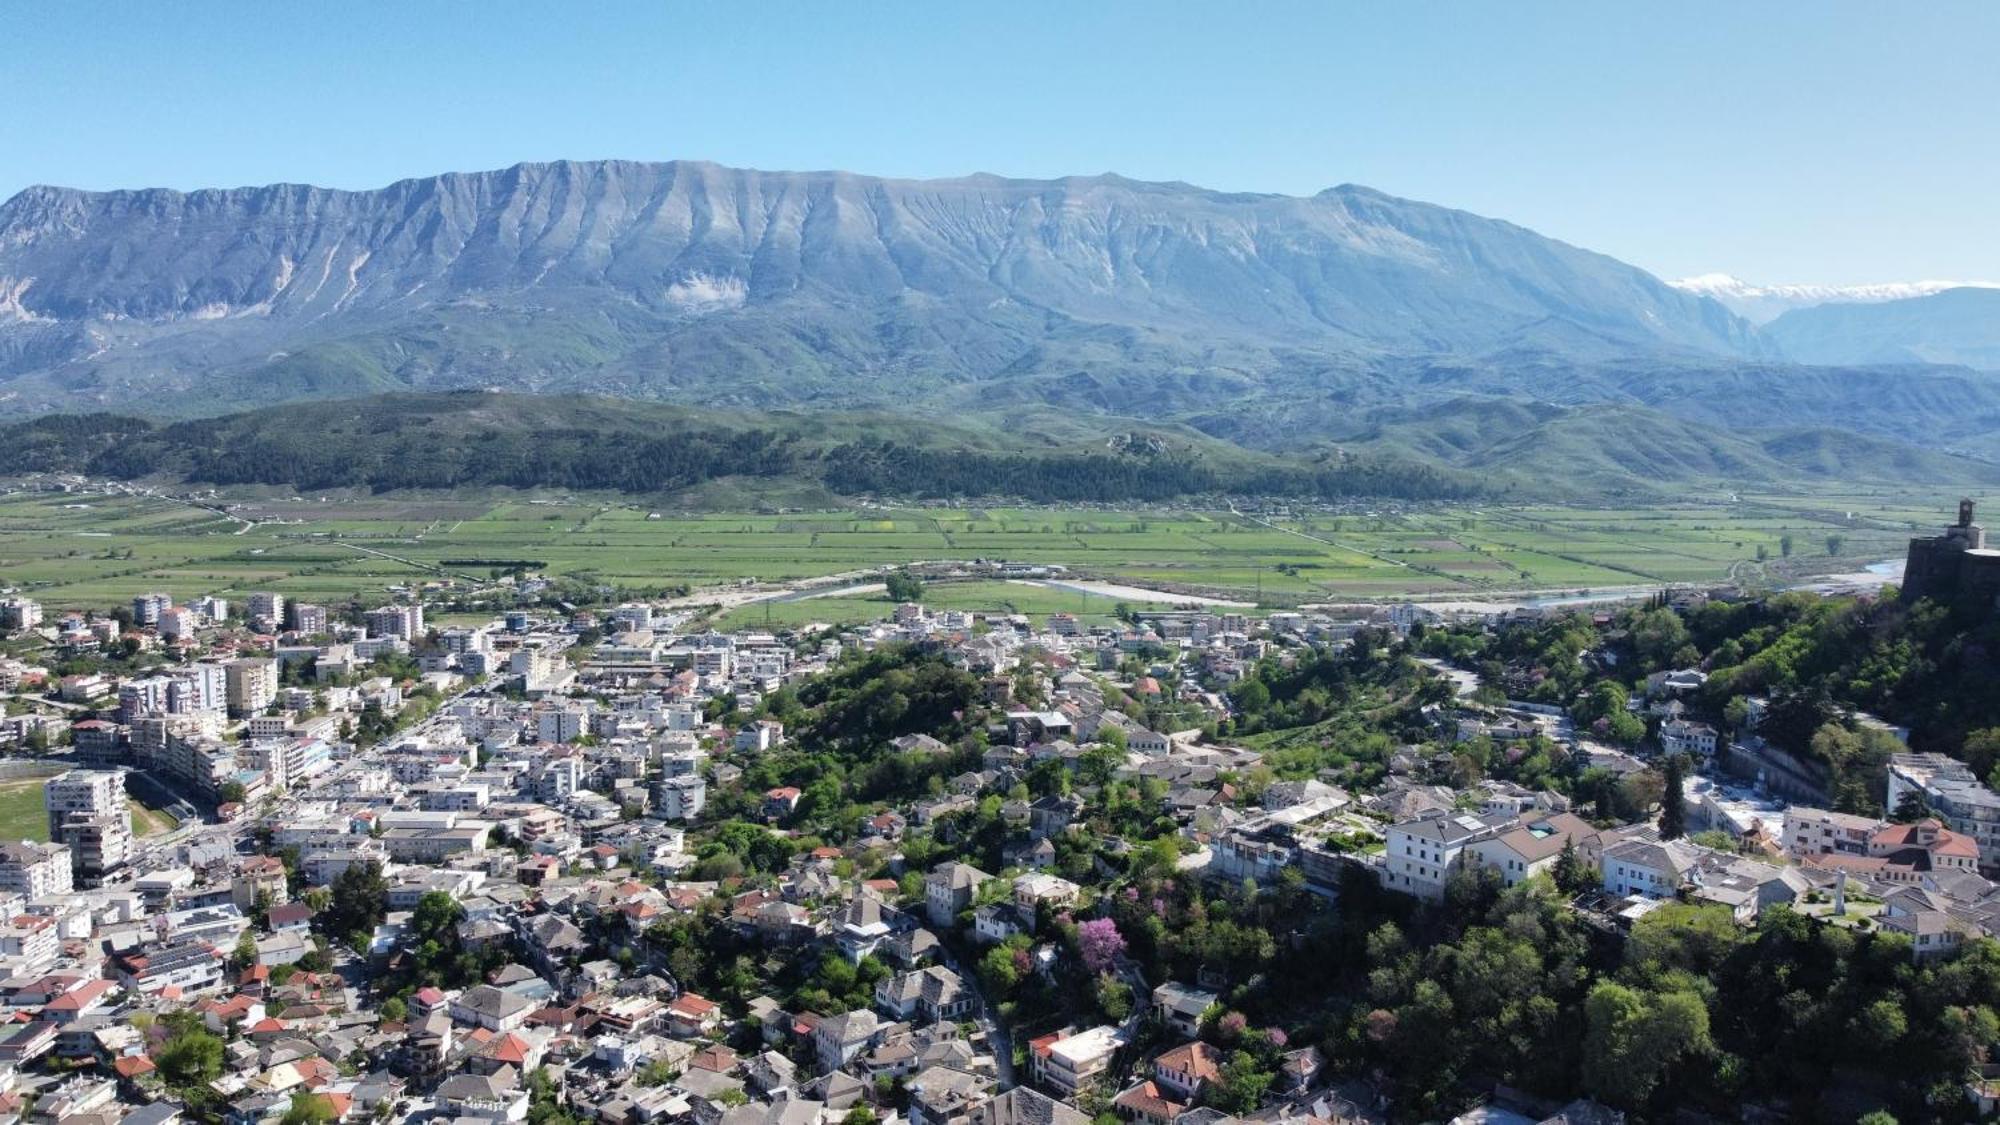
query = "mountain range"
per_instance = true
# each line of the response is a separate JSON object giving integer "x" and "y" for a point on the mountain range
{"x": 1761, "y": 304}
{"x": 1273, "y": 322}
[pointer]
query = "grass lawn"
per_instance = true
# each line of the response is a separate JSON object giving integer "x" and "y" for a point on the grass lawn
{"x": 23, "y": 816}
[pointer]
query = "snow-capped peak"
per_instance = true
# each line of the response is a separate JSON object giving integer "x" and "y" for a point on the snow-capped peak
{"x": 1761, "y": 303}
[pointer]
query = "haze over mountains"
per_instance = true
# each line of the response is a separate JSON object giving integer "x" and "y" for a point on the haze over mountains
{"x": 1761, "y": 304}
{"x": 1271, "y": 321}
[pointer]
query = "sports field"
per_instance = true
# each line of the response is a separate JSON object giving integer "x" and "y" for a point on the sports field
{"x": 95, "y": 548}
{"x": 24, "y": 816}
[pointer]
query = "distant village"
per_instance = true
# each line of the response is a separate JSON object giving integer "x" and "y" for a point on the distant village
{"x": 419, "y": 872}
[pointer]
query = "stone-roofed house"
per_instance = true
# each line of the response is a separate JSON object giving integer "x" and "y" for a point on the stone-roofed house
{"x": 949, "y": 888}
{"x": 494, "y": 1009}
{"x": 1648, "y": 868}
{"x": 1180, "y": 1007}
{"x": 838, "y": 1039}
{"x": 1024, "y": 1105}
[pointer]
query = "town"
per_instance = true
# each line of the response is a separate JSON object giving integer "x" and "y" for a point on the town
{"x": 605, "y": 864}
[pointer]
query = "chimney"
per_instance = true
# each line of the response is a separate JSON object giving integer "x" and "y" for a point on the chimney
{"x": 1965, "y": 512}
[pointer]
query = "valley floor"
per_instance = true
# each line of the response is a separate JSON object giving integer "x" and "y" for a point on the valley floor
{"x": 101, "y": 544}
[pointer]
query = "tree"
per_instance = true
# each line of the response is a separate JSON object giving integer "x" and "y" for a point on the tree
{"x": 308, "y": 1108}
{"x": 245, "y": 954}
{"x": 394, "y": 1010}
{"x": 1736, "y": 713}
{"x": 1834, "y": 543}
{"x": 1631, "y": 1037}
{"x": 1114, "y": 998}
{"x": 1785, "y": 546}
{"x": 231, "y": 793}
{"x": 1241, "y": 1089}
{"x": 1911, "y": 807}
{"x": 904, "y": 587}
{"x": 997, "y": 970}
{"x": 191, "y": 1058}
{"x": 360, "y": 900}
{"x": 1673, "y": 809}
{"x": 1100, "y": 944}
{"x": 1572, "y": 875}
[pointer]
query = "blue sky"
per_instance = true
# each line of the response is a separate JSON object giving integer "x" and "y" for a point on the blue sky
{"x": 1827, "y": 142}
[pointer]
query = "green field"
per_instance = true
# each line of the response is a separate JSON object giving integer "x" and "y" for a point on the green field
{"x": 22, "y": 814}
{"x": 24, "y": 817}
{"x": 94, "y": 549}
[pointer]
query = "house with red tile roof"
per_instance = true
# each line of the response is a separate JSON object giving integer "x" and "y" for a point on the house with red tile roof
{"x": 85, "y": 999}
{"x": 690, "y": 1014}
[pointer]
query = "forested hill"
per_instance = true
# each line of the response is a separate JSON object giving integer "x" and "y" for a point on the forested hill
{"x": 475, "y": 439}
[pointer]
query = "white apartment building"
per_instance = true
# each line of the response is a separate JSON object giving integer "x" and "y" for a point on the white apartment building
{"x": 680, "y": 798}
{"x": 87, "y": 813}
{"x": 32, "y": 870}
{"x": 1421, "y": 853}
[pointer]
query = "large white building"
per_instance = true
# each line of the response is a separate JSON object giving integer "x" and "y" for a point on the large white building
{"x": 32, "y": 870}
{"x": 1421, "y": 853}
{"x": 405, "y": 622}
{"x": 20, "y": 613}
{"x": 88, "y": 814}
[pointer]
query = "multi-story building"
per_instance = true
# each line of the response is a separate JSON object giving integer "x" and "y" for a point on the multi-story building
{"x": 146, "y": 609}
{"x": 265, "y": 610}
{"x": 1648, "y": 868}
{"x": 1421, "y": 853}
{"x": 949, "y": 888}
{"x": 680, "y": 798}
{"x": 198, "y": 689}
{"x": 1955, "y": 794}
{"x": 32, "y": 870}
{"x": 178, "y": 623}
{"x": 1810, "y": 832}
{"x": 147, "y": 696}
{"x": 87, "y": 813}
{"x": 558, "y": 779}
{"x": 405, "y": 622}
{"x": 560, "y": 724}
{"x": 19, "y": 613}
{"x": 304, "y": 617}
{"x": 533, "y": 665}
{"x": 251, "y": 684}
{"x": 191, "y": 966}
{"x": 458, "y": 642}
{"x": 1073, "y": 1063}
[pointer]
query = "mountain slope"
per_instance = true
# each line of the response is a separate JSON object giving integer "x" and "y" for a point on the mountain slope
{"x": 1464, "y": 448}
{"x": 703, "y": 283}
{"x": 1956, "y": 326}
{"x": 568, "y": 442}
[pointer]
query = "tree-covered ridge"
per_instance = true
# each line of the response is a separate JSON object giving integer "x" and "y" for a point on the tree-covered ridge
{"x": 1817, "y": 661}
{"x": 455, "y": 440}
{"x": 1689, "y": 1012}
